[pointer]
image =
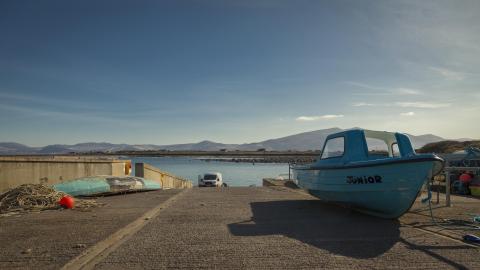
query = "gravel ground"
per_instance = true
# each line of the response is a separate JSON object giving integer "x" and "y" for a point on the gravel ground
{"x": 275, "y": 228}
{"x": 238, "y": 227}
{"x": 49, "y": 239}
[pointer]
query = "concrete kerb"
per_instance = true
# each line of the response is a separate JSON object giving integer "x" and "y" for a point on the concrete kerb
{"x": 166, "y": 179}
{"x": 92, "y": 256}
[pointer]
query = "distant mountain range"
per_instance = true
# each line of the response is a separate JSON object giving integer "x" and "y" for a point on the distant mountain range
{"x": 312, "y": 140}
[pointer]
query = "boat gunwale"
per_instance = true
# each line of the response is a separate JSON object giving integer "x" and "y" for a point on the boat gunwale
{"x": 371, "y": 163}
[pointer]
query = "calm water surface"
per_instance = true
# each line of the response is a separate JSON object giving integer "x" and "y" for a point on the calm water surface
{"x": 234, "y": 174}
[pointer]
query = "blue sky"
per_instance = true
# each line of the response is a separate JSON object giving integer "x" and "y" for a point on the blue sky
{"x": 167, "y": 72}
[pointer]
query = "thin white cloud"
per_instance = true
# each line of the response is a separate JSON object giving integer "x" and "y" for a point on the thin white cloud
{"x": 364, "y": 85}
{"x": 318, "y": 117}
{"x": 449, "y": 74}
{"x": 58, "y": 106}
{"x": 362, "y": 104}
{"x": 407, "y": 91}
{"x": 407, "y": 114}
{"x": 67, "y": 116}
{"x": 42, "y": 100}
{"x": 411, "y": 104}
{"x": 384, "y": 91}
{"x": 422, "y": 105}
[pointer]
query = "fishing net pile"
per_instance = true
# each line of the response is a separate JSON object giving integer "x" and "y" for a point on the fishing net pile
{"x": 32, "y": 197}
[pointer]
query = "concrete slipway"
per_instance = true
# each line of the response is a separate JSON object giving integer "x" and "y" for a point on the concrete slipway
{"x": 263, "y": 227}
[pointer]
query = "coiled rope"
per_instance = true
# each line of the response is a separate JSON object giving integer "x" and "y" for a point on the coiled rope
{"x": 34, "y": 197}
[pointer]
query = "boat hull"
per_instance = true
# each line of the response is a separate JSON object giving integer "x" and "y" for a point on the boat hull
{"x": 384, "y": 190}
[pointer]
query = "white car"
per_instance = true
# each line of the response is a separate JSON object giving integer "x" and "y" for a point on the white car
{"x": 212, "y": 179}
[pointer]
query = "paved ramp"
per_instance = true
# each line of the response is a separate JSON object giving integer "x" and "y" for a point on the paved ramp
{"x": 276, "y": 228}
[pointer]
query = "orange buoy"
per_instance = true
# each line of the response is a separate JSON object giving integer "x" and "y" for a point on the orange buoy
{"x": 67, "y": 202}
{"x": 465, "y": 178}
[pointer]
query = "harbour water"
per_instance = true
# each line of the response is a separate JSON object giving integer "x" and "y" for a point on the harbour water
{"x": 234, "y": 174}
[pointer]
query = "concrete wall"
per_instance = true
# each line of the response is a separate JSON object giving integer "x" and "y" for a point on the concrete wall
{"x": 167, "y": 180}
{"x": 15, "y": 171}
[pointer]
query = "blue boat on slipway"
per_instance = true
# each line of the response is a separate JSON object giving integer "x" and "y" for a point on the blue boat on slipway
{"x": 375, "y": 172}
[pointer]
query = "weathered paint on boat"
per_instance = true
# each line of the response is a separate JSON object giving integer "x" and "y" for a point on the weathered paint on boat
{"x": 380, "y": 186}
{"x": 105, "y": 184}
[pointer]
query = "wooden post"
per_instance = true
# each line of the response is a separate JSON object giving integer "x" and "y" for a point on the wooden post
{"x": 139, "y": 170}
{"x": 289, "y": 167}
{"x": 447, "y": 188}
{"x": 162, "y": 180}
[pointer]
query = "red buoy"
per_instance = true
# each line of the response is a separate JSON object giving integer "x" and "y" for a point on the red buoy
{"x": 67, "y": 202}
{"x": 465, "y": 178}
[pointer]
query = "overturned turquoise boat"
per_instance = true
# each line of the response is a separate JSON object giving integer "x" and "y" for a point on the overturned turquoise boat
{"x": 375, "y": 172}
{"x": 103, "y": 185}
